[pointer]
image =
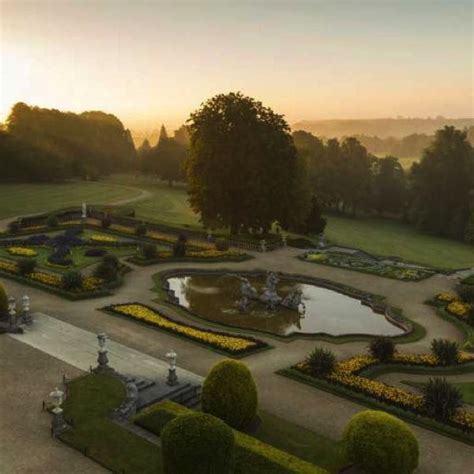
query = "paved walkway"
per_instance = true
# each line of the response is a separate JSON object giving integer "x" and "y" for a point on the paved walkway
{"x": 301, "y": 404}
{"x": 78, "y": 347}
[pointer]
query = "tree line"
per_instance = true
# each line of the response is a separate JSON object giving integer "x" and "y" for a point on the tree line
{"x": 245, "y": 170}
{"x": 39, "y": 144}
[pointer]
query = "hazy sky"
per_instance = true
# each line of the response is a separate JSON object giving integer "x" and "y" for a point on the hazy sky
{"x": 149, "y": 62}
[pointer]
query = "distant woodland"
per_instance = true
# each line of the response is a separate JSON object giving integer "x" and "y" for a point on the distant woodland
{"x": 239, "y": 158}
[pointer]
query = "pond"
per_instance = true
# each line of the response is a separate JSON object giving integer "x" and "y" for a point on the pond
{"x": 215, "y": 298}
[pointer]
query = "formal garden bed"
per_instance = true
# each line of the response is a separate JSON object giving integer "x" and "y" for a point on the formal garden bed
{"x": 225, "y": 343}
{"x": 353, "y": 379}
{"x": 361, "y": 263}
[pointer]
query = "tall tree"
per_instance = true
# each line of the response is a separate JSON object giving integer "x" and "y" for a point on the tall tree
{"x": 388, "y": 185}
{"x": 442, "y": 182}
{"x": 242, "y": 168}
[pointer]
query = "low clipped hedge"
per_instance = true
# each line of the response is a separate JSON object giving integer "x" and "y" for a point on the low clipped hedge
{"x": 229, "y": 392}
{"x": 379, "y": 442}
{"x": 3, "y": 301}
{"x": 197, "y": 443}
{"x": 251, "y": 456}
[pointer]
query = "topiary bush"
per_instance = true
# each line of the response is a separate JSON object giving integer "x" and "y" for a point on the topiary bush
{"x": 149, "y": 251}
{"x": 179, "y": 248}
{"x": 378, "y": 442}
{"x": 197, "y": 444}
{"x": 26, "y": 265}
{"x": 441, "y": 400}
{"x": 229, "y": 392}
{"x": 382, "y": 348}
{"x": 52, "y": 221}
{"x": 321, "y": 362}
{"x": 447, "y": 352}
{"x": 3, "y": 301}
{"x": 72, "y": 280}
{"x": 141, "y": 229}
{"x": 222, "y": 245}
{"x": 106, "y": 222}
{"x": 466, "y": 293}
{"x": 95, "y": 252}
{"x": 106, "y": 271}
{"x": 112, "y": 260}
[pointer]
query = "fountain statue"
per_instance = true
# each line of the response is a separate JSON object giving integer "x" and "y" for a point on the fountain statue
{"x": 269, "y": 296}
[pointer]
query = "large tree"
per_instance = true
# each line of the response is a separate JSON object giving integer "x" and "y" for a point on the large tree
{"x": 242, "y": 169}
{"x": 388, "y": 187}
{"x": 441, "y": 184}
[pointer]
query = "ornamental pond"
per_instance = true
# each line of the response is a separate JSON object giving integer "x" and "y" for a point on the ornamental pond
{"x": 215, "y": 297}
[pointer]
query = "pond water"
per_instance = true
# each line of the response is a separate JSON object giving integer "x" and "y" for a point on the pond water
{"x": 215, "y": 298}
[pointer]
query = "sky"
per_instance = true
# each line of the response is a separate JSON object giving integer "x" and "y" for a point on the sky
{"x": 153, "y": 62}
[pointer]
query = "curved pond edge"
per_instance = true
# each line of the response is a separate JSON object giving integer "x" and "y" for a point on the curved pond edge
{"x": 412, "y": 330}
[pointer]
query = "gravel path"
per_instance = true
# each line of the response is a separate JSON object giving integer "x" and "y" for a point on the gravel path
{"x": 304, "y": 405}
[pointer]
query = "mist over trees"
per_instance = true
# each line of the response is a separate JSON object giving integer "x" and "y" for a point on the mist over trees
{"x": 53, "y": 145}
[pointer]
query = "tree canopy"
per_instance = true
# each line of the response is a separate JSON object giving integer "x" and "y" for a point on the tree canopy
{"x": 242, "y": 170}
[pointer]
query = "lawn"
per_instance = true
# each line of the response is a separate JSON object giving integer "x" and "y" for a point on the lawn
{"x": 91, "y": 399}
{"x": 22, "y": 199}
{"x": 388, "y": 237}
{"x": 302, "y": 443}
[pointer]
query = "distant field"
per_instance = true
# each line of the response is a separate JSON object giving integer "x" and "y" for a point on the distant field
{"x": 21, "y": 199}
{"x": 386, "y": 237}
{"x": 169, "y": 205}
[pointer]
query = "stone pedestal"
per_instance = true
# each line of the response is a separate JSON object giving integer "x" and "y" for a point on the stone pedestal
{"x": 103, "y": 362}
{"x": 57, "y": 425}
{"x": 172, "y": 378}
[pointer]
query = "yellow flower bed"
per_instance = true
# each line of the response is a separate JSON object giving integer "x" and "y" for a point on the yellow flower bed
{"x": 91, "y": 283}
{"x": 103, "y": 238}
{"x": 346, "y": 374}
{"x": 9, "y": 267}
{"x": 22, "y": 251}
{"x": 226, "y": 342}
{"x": 446, "y": 297}
{"x": 316, "y": 257}
{"x": 458, "y": 308}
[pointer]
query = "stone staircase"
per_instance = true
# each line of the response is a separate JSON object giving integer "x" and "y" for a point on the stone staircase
{"x": 150, "y": 392}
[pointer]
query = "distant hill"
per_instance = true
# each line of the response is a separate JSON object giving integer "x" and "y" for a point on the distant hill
{"x": 383, "y": 127}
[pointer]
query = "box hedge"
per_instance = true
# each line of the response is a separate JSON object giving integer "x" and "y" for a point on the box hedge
{"x": 251, "y": 456}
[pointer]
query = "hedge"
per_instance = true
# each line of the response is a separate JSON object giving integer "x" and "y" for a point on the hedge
{"x": 251, "y": 455}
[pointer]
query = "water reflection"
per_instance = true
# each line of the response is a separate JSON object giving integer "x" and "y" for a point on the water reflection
{"x": 215, "y": 298}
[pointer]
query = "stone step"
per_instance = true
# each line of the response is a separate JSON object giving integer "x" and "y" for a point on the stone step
{"x": 144, "y": 384}
{"x": 180, "y": 393}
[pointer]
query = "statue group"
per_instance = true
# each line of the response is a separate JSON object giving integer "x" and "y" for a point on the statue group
{"x": 269, "y": 296}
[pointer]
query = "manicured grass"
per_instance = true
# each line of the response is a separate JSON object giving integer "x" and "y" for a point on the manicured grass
{"x": 168, "y": 205}
{"x": 22, "y": 199}
{"x": 466, "y": 389}
{"x": 391, "y": 238}
{"x": 301, "y": 442}
{"x": 91, "y": 399}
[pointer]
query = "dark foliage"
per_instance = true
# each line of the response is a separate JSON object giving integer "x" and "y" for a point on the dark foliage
{"x": 26, "y": 265}
{"x": 95, "y": 252}
{"x": 149, "y": 251}
{"x": 382, "y": 348}
{"x": 321, "y": 362}
{"x": 61, "y": 256}
{"x": 441, "y": 400}
{"x": 179, "y": 248}
{"x": 447, "y": 352}
{"x": 72, "y": 280}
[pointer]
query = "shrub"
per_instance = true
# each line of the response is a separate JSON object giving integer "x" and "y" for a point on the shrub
{"x": 229, "y": 392}
{"x": 441, "y": 400}
{"x": 222, "y": 245}
{"x": 300, "y": 243}
{"x": 445, "y": 351}
{"x": 197, "y": 443}
{"x": 469, "y": 280}
{"x": 61, "y": 256}
{"x": 26, "y": 265}
{"x": 52, "y": 221}
{"x": 149, "y": 251}
{"x": 382, "y": 348}
{"x": 179, "y": 248}
{"x": 3, "y": 301}
{"x": 38, "y": 239}
{"x": 72, "y": 280}
{"x": 470, "y": 316}
{"x": 378, "y": 442}
{"x": 141, "y": 229}
{"x": 466, "y": 293}
{"x": 106, "y": 271}
{"x": 112, "y": 260}
{"x": 14, "y": 227}
{"x": 321, "y": 362}
{"x": 97, "y": 252}
{"x": 106, "y": 222}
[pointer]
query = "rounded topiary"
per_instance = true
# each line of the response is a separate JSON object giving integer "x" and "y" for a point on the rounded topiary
{"x": 195, "y": 444}
{"x": 111, "y": 260}
{"x": 3, "y": 301}
{"x": 72, "y": 280}
{"x": 382, "y": 348}
{"x": 149, "y": 251}
{"x": 229, "y": 392}
{"x": 378, "y": 442}
{"x": 26, "y": 265}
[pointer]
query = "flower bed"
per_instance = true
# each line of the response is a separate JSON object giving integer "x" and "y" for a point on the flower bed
{"x": 103, "y": 238}
{"x": 22, "y": 252}
{"x": 223, "y": 342}
{"x": 453, "y": 305}
{"x": 375, "y": 267}
{"x": 348, "y": 375}
{"x": 210, "y": 255}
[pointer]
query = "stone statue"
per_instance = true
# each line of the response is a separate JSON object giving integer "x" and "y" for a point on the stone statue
{"x": 84, "y": 210}
{"x": 247, "y": 293}
{"x": 270, "y": 296}
{"x": 293, "y": 299}
{"x": 129, "y": 406}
